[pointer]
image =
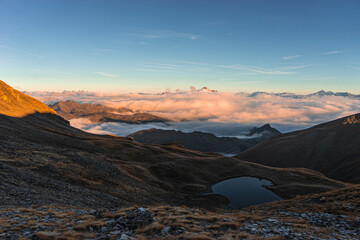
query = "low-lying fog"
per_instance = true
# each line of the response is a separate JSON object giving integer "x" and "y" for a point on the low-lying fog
{"x": 218, "y": 129}
{"x": 220, "y": 113}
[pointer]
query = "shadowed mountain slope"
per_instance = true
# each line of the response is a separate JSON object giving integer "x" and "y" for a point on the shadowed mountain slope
{"x": 331, "y": 148}
{"x": 97, "y": 113}
{"x": 266, "y": 131}
{"x": 206, "y": 142}
{"x": 43, "y": 160}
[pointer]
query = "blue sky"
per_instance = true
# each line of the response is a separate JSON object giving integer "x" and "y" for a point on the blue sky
{"x": 296, "y": 46}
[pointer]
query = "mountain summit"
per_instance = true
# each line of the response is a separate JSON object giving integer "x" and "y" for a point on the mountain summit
{"x": 206, "y": 89}
{"x": 16, "y": 104}
{"x": 264, "y": 130}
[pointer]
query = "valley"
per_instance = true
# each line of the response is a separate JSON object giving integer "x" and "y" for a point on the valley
{"x": 47, "y": 163}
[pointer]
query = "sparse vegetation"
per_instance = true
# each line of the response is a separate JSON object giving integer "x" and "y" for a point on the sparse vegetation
{"x": 304, "y": 215}
{"x": 58, "y": 182}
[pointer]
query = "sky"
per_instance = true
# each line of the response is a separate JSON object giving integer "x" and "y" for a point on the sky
{"x": 149, "y": 45}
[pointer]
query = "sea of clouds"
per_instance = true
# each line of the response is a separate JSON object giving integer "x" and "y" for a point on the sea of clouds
{"x": 123, "y": 129}
{"x": 216, "y": 112}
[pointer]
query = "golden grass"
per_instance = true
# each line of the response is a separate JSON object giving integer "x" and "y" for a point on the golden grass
{"x": 232, "y": 225}
{"x": 195, "y": 236}
{"x": 72, "y": 235}
{"x": 276, "y": 238}
{"x": 47, "y": 235}
{"x": 97, "y": 224}
{"x": 218, "y": 224}
{"x": 151, "y": 229}
{"x": 16, "y": 104}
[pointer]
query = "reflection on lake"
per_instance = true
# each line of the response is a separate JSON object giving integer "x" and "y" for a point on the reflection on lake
{"x": 245, "y": 191}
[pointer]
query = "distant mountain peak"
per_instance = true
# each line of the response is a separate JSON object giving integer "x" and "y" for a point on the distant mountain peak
{"x": 206, "y": 89}
{"x": 17, "y": 104}
{"x": 324, "y": 93}
{"x": 264, "y": 129}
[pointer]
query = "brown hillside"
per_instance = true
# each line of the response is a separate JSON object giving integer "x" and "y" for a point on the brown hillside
{"x": 43, "y": 160}
{"x": 97, "y": 113}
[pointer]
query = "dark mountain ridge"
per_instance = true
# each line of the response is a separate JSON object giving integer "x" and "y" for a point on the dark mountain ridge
{"x": 331, "y": 148}
{"x": 206, "y": 142}
{"x": 266, "y": 131}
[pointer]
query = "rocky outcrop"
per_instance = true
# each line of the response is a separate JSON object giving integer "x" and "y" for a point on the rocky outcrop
{"x": 306, "y": 217}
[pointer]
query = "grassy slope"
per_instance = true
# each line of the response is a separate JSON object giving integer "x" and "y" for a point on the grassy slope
{"x": 16, "y": 104}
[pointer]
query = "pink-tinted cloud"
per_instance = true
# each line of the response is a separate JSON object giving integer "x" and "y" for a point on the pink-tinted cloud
{"x": 222, "y": 107}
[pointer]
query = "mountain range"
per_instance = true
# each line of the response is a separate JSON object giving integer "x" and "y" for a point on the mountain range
{"x": 42, "y": 152}
{"x": 54, "y": 96}
{"x": 320, "y": 93}
{"x": 97, "y": 113}
{"x": 206, "y": 142}
{"x": 58, "y": 182}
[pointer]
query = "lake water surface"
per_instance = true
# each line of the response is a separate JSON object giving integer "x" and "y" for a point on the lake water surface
{"x": 245, "y": 191}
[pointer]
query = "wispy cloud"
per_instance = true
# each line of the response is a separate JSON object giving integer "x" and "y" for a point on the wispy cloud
{"x": 101, "y": 51}
{"x": 145, "y": 69}
{"x": 317, "y": 79}
{"x": 291, "y": 57}
{"x": 332, "y": 52}
{"x": 158, "y": 34}
{"x": 234, "y": 80}
{"x": 250, "y": 70}
{"x": 192, "y": 63}
{"x": 161, "y": 67}
{"x": 296, "y": 67}
{"x": 258, "y": 70}
{"x": 69, "y": 73}
{"x": 353, "y": 67}
{"x": 106, "y": 74}
{"x": 22, "y": 52}
{"x": 216, "y": 23}
{"x": 232, "y": 69}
